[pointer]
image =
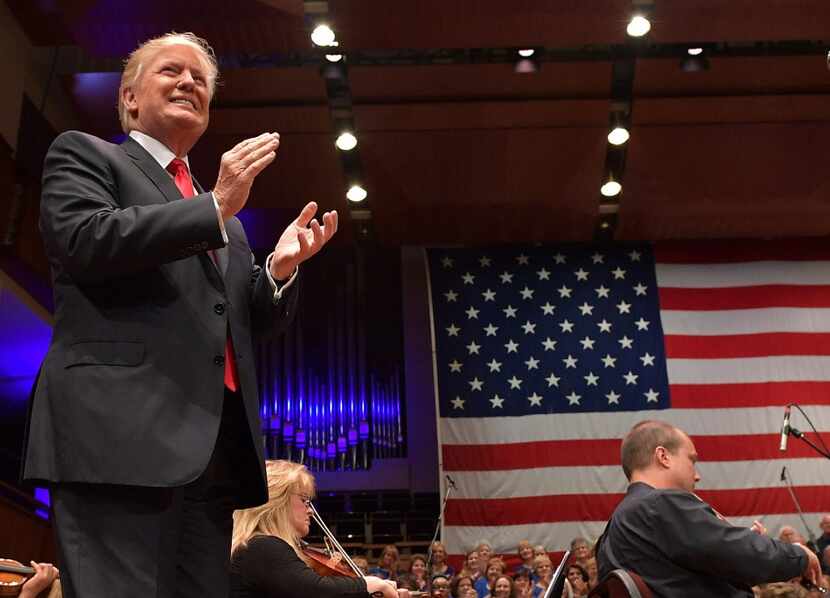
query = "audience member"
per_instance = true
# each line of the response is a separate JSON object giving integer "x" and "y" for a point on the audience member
{"x": 471, "y": 565}
{"x": 580, "y": 551}
{"x": 462, "y": 587}
{"x": 362, "y": 564}
{"x": 824, "y": 539}
{"x": 522, "y": 583}
{"x": 484, "y": 584}
{"x": 417, "y": 578}
{"x": 485, "y": 551}
{"x": 539, "y": 550}
{"x": 387, "y": 567}
{"x": 525, "y": 552}
{"x": 593, "y": 572}
{"x": 502, "y": 587}
{"x": 439, "y": 561}
{"x": 543, "y": 569}
{"x": 578, "y": 578}
{"x": 440, "y": 586}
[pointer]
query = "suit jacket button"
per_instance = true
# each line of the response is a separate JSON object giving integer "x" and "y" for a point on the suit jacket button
{"x": 219, "y": 309}
{"x": 219, "y": 360}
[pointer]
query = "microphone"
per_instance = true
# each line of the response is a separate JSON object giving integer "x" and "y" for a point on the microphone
{"x": 450, "y": 481}
{"x": 785, "y": 430}
{"x": 783, "y": 473}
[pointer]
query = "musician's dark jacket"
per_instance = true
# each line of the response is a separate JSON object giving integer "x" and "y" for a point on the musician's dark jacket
{"x": 682, "y": 548}
{"x": 268, "y": 567}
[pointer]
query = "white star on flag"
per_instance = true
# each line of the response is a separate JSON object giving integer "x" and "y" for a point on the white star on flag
{"x": 630, "y": 378}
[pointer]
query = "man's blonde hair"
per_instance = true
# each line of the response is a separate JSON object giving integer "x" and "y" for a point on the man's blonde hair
{"x": 135, "y": 64}
{"x": 274, "y": 517}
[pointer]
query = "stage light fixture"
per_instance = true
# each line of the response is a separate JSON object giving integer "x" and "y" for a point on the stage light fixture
{"x": 527, "y": 53}
{"x": 356, "y": 193}
{"x": 618, "y": 135}
{"x": 638, "y": 26}
{"x": 694, "y": 64}
{"x": 334, "y": 57}
{"x": 694, "y": 51}
{"x": 611, "y": 188}
{"x": 346, "y": 141}
{"x": 323, "y": 36}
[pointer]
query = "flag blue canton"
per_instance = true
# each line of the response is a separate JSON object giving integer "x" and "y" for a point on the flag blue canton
{"x": 547, "y": 330}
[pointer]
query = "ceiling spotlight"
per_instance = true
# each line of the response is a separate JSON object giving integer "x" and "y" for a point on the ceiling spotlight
{"x": 334, "y": 57}
{"x": 638, "y": 26}
{"x": 527, "y": 53}
{"x": 346, "y": 141}
{"x": 695, "y": 51}
{"x": 694, "y": 64}
{"x": 323, "y": 35}
{"x": 618, "y": 136}
{"x": 356, "y": 193}
{"x": 525, "y": 65}
{"x": 611, "y": 188}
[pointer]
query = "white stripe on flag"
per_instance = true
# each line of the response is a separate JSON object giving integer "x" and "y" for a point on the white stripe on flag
{"x": 576, "y": 426}
{"x": 748, "y": 370}
{"x": 746, "y": 321}
{"x": 548, "y": 481}
{"x": 748, "y": 274}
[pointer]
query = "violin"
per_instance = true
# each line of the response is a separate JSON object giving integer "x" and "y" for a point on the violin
{"x": 12, "y": 577}
{"x": 14, "y": 574}
{"x": 327, "y": 562}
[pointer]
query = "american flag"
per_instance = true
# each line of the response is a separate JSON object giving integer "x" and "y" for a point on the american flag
{"x": 544, "y": 358}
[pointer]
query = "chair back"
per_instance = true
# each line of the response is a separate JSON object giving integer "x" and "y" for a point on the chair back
{"x": 621, "y": 584}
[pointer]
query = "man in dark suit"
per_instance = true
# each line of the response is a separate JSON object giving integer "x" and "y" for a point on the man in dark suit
{"x": 144, "y": 420}
{"x": 678, "y": 544}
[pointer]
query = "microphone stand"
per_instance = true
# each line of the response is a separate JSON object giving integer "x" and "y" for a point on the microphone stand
{"x": 786, "y": 478}
{"x": 450, "y": 488}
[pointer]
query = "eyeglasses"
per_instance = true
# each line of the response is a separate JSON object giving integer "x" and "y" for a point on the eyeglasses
{"x": 304, "y": 498}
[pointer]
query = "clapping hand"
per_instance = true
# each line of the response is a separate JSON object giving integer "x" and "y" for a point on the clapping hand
{"x": 301, "y": 239}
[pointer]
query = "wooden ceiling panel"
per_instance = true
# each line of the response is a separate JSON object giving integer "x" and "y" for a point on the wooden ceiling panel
{"x": 739, "y": 20}
{"x": 487, "y": 185}
{"x": 734, "y": 109}
{"x": 726, "y": 181}
{"x": 479, "y": 81}
{"x": 270, "y": 87}
{"x": 480, "y": 24}
{"x": 737, "y": 76}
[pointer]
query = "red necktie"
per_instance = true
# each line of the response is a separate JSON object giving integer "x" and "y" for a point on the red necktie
{"x": 182, "y": 178}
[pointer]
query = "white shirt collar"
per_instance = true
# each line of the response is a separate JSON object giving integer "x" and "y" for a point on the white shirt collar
{"x": 160, "y": 152}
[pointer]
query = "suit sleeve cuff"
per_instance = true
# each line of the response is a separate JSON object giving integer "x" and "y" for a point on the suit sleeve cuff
{"x": 278, "y": 290}
{"x": 219, "y": 217}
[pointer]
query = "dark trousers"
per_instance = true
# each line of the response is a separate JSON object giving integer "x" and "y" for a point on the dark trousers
{"x": 141, "y": 542}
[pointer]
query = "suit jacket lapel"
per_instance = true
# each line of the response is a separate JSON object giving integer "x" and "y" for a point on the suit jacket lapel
{"x": 148, "y": 165}
{"x": 165, "y": 184}
{"x": 222, "y": 256}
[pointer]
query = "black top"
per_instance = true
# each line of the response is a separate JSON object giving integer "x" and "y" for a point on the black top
{"x": 269, "y": 568}
{"x": 682, "y": 548}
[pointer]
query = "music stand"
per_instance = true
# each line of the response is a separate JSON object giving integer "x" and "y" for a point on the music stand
{"x": 557, "y": 582}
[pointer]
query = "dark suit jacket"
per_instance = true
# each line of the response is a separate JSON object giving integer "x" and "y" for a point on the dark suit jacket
{"x": 682, "y": 549}
{"x": 131, "y": 389}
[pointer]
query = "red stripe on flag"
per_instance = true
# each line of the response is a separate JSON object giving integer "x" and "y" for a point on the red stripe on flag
{"x": 684, "y": 346}
{"x": 754, "y": 297}
{"x": 598, "y": 507}
{"x": 729, "y": 252}
{"x": 756, "y": 394}
{"x": 605, "y": 451}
